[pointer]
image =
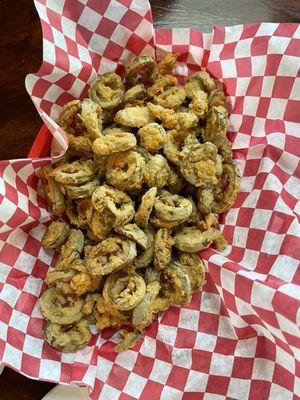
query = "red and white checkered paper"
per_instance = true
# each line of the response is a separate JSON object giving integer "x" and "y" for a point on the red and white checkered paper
{"x": 239, "y": 338}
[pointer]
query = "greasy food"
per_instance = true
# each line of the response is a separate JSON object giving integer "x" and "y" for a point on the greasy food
{"x": 68, "y": 338}
{"x": 56, "y": 234}
{"x": 107, "y": 90}
{"x": 138, "y": 193}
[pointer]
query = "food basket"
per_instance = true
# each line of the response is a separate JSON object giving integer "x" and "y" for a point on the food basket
{"x": 239, "y": 338}
{"x": 42, "y": 144}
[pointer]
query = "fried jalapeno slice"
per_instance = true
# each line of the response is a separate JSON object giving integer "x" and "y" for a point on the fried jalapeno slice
{"x": 157, "y": 172}
{"x": 53, "y": 277}
{"x": 109, "y": 255}
{"x": 210, "y": 220}
{"x": 67, "y": 338}
{"x": 176, "y": 284}
{"x": 204, "y": 80}
{"x": 195, "y": 268}
{"x": 82, "y": 121}
{"x": 109, "y": 317}
{"x": 52, "y": 190}
{"x": 118, "y": 142}
{"x": 101, "y": 224}
{"x": 216, "y": 126}
{"x": 199, "y": 104}
{"x": 225, "y": 151}
{"x": 220, "y": 243}
{"x": 81, "y": 118}
{"x": 176, "y": 182}
{"x": 125, "y": 171}
{"x": 91, "y": 117}
{"x": 100, "y": 166}
{"x": 161, "y": 84}
{"x": 205, "y": 199}
{"x": 90, "y": 303}
{"x": 81, "y": 192}
{"x": 141, "y": 70}
{"x": 60, "y": 309}
{"x": 71, "y": 250}
{"x": 145, "y": 258}
{"x": 198, "y": 164}
{"x": 68, "y": 114}
{"x": 172, "y": 207}
{"x": 56, "y": 234}
{"x": 107, "y": 90}
{"x": 191, "y": 239}
{"x": 124, "y": 291}
{"x": 129, "y": 340}
{"x": 145, "y": 208}
{"x": 216, "y": 98}
{"x": 143, "y": 313}
{"x": 80, "y": 145}
{"x": 77, "y": 212}
{"x": 166, "y": 93}
{"x": 151, "y": 275}
{"x": 136, "y": 95}
{"x": 229, "y": 184}
{"x": 168, "y": 63}
{"x": 163, "y": 248}
{"x": 191, "y": 87}
{"x": 172, "y": 147}
{"x": 83, "y": 283}
{"x": 118, "y": 205}
{"x": 134, "y": 117}
{"x": 167, "y": 116}
{"x": 187, "y": 120}
{"x": 75, "y": 173}
{"x": 152, "y": 137}
{"x": 133, "y": 232}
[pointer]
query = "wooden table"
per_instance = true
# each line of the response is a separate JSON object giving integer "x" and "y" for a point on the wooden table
{"x": 21, "y": 53}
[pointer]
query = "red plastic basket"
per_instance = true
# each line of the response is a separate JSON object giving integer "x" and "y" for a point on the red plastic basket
{"x": 42, "y": 144}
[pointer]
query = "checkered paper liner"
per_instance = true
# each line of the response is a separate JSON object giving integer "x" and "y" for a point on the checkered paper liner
{"x": 239, "y": 338}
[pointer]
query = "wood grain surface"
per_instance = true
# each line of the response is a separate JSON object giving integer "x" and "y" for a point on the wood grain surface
{"x": 21, "y": 53}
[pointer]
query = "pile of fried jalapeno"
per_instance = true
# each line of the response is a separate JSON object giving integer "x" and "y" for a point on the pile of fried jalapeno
{"x": 148, "y": 169}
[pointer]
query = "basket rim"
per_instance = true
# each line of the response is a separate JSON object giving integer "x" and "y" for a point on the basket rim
{"x": 42, "y": 143}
